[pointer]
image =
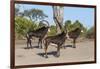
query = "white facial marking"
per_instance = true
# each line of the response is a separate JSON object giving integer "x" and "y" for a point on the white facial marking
{"x": 67, "y": 36}
{"x": 48, "y": 30}
{"x": 81, "y": 30}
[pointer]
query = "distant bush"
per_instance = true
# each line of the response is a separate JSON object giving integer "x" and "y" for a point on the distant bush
{"x": 52, "y": 30}
{"x": 22, "y": 26}
{"x": 90, "y": 33}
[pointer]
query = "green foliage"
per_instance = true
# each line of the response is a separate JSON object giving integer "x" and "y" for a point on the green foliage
{"x": 52, "y": 30}
{"x": 77, "y": 24}
{"x": 90, "y": 33}
{"x": 26, "y": 20}
{"x": 22, "y": 25}
{"x": 69, "y": 26}
{"x": 34, "y": 14}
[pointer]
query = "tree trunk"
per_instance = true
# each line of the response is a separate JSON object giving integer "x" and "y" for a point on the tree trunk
{"x": 58, "y": 17}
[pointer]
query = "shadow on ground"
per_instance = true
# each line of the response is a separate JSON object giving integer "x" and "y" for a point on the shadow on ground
{"x": 68, "y": 46}
{"x": 65, "y": 46}
{"x": 30, "y": 47}
{"x": 49, "y": 53}
{"x": 54, "y": 53}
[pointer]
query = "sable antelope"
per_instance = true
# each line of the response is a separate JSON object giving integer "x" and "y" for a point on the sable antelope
{"x": 74, "y": 34}
{"x": 39, "y": 33}
{"x": 58, "y": 39}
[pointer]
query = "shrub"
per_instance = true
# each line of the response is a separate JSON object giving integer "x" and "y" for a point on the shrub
{"x": 90, "y": 33}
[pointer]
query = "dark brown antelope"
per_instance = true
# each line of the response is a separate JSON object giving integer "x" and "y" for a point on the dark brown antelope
{"x": 57, "y": 39}
{"x": 74, "y": 34}
{"x": 39, "y": 33}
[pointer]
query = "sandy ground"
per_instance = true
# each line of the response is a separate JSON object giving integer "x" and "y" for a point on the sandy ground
{"x": 84, "y": 51}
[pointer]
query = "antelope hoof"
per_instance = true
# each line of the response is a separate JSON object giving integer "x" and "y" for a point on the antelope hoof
{"x": 57, "y": 55}
{"x": 64, "y": 47}
{"x": 28, "y": 47}
{"x": 46, "y": 56}
{"x": 31, "y": 47}
{"x": 40, "y": 47}
{"x": 74, "y": 46}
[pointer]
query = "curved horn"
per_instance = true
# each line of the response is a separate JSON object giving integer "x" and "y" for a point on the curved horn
{"x": 45, "y": 21}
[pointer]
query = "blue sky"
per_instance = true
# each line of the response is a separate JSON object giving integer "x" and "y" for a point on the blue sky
{"x": 84, "y": 15}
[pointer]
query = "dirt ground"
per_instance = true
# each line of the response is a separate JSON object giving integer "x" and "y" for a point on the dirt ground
{"x": 84, "y": 51}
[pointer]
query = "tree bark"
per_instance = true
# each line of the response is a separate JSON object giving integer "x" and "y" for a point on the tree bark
{"x": 58, "y": 17}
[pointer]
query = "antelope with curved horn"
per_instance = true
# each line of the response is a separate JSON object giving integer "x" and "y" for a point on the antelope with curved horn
{"x": 39, "y": 33}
